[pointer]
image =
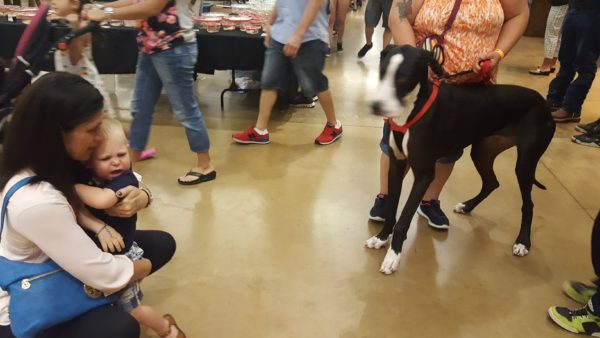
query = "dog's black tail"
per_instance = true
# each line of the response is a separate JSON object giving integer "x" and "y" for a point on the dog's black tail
{"x": 539, "y": 185}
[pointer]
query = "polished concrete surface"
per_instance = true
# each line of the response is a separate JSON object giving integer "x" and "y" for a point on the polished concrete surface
{"x": 275, "y": 246}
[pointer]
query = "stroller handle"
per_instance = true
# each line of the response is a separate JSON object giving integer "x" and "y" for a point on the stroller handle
{"x": 63, "y": 43}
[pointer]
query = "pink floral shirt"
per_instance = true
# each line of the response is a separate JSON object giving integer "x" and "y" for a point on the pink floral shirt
{"x": 162, "y": 32}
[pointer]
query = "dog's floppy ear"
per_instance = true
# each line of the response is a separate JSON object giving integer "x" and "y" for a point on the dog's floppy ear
{"x": 383, "y": 58}
{"x": 432, "y": 62}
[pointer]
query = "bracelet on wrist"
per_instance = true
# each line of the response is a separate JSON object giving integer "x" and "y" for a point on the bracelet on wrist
{"x": 101, "y": 229}
{"x": 149, "y": 194}
{"x": 500, "y": 52}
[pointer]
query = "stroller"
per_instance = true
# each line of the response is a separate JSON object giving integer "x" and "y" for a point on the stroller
{"x": 36, "y": 46}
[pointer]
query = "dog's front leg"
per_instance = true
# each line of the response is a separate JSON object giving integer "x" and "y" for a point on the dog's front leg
{"x": 396, "y": 173}
{"x": 392, "y": 258}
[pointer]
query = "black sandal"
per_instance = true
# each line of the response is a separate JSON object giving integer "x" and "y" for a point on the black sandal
{"x": 538, "y": 71}
{"x": 200, "y": 177}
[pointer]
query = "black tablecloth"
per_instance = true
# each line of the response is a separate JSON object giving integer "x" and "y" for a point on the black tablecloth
{"x": 115, "y": 49}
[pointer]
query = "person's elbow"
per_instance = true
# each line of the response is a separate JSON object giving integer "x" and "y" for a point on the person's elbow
{"x": 111, "y": 274}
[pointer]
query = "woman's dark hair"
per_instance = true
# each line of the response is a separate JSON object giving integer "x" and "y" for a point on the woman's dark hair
{"x": 54, "y": 104}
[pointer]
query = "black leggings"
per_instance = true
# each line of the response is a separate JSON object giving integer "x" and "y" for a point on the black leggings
{"x": 109, "y": 321}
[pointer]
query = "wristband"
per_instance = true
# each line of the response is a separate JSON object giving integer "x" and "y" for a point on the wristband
{"x": 499, "y": 52}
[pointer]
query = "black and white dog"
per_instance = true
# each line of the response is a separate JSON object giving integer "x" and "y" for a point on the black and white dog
{"x": 440, "y": 120}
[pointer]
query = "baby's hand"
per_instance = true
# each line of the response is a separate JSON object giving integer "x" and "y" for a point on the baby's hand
{"x": 110, "y": 239}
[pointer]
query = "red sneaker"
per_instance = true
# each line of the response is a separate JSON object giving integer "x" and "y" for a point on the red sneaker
{"x": 250, "y": 136}
{"x": 329, "y": 135}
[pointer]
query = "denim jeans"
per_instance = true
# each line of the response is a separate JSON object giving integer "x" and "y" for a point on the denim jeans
{"x": 579, "y": 51}
{"x": 308, "y": 67}
{"x": 173, "y": 69}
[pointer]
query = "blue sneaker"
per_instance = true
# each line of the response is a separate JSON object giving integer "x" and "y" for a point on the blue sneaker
{"x": 377, "y": 212}
{"x": 432, "y": 212}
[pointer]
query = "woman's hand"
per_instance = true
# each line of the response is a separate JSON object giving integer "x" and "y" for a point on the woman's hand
{"x": 133, "y": 200}
{"x": 292, "y": 46}
{"x": 110, "y": 239}
{"x": 494, "y": 57}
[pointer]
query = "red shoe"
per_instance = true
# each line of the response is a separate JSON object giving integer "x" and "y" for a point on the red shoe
{"x": 250, "y": 136}
{"x": 329, "y": 135}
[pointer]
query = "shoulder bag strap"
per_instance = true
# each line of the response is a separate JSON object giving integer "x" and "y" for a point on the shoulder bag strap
{"x": 452, "y": 17}
{"x": 23, "y": 182}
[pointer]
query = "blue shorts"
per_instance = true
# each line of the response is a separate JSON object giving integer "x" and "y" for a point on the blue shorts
{"x": 308, "y": 67}
{"x": 384, "y": 145}
{"x": 132, "y": 296}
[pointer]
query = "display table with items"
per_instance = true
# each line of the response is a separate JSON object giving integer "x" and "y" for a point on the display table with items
{"x": 225, "y": 42}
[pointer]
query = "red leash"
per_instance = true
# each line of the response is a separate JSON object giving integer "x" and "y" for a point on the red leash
{"x": 484, "y": 74}
{"x": 404, "y": 128}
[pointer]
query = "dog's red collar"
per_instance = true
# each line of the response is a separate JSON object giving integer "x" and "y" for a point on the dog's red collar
{"x": 404, "y": 128}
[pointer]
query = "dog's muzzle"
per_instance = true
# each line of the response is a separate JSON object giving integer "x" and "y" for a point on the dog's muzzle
{"x": 376, "y": 106}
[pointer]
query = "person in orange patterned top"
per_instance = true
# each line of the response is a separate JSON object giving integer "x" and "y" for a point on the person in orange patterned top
{"x": 482, "y": 30}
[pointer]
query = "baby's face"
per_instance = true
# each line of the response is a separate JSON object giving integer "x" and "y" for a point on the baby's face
{"x": 111, "y": 158}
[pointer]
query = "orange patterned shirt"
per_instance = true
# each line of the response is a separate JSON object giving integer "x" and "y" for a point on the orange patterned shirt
{"x": 475, "y": 31}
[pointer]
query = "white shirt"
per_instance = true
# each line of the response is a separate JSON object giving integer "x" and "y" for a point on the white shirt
{"x": 40, "y": 225}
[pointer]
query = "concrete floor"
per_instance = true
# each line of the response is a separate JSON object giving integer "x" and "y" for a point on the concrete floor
{"x": 275, "y": 246}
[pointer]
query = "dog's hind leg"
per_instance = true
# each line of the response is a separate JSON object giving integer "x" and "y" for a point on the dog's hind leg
{"x": 392, "y": 257}
{"x": 529, "y": 153}
{"x": 396, "y": 173}
{"x": 483, "y": 155}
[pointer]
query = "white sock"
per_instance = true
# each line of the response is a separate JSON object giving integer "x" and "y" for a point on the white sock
{"x": 338, "y": 124}
{"x": 261, "y": 132}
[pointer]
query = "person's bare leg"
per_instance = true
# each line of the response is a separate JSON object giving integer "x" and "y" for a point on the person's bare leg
{"x": 546, "y": 65}
{"x": 147, "y": 316}
{"x": 135, "y": 155}
{"x": 267, "y": 101}
{"x": 442, "y": 173}
{"x": 203, "y": 166}
{"x": 387, "y": 37}
{"x": 332, "y": 17}
{"x": 342, "y": 11}
{"x": 369, "y": 31}
{"x": 326, "y": 101}
{"x": 384, "y": 168}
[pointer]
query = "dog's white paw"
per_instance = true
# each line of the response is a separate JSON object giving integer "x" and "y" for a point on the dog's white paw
{"x": 520, "y": 250}
{"x": 376, "y": 243}
{"x": 460, "y": 208}
{"x": 390, "y": 262}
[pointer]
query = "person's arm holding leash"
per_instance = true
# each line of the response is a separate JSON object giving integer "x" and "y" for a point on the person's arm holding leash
{"x": 310, "y": 13}
{"x": 516, "y": 16}
{"x": 402, "y": 17}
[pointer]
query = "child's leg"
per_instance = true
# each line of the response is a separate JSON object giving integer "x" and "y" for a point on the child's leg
{"x": 147, "y": 316}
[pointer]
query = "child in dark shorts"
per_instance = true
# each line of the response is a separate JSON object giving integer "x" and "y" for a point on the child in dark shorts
{"x": 111, "y": 171}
